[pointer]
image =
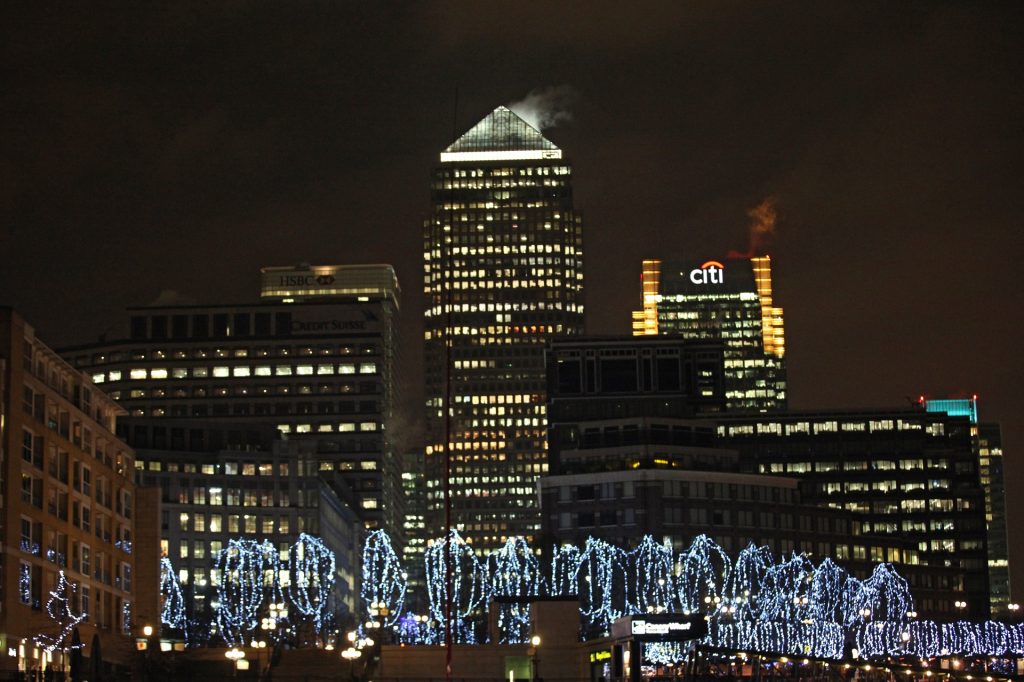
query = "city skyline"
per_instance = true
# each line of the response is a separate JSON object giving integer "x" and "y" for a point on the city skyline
{"x": 889, "y": 140}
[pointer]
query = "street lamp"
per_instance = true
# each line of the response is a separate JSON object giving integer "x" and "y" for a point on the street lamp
{"x": 236, "y": 656}
{"x": 535, "y": 641}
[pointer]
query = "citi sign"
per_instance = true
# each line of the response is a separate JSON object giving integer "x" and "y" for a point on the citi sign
{"x": 711, "y": 272}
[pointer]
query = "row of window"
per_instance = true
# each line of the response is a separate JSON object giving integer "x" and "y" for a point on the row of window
{"x": 232, "y": 352}
{"x": 64, "y": 423}
{"x": 104, "y": 489}
{"x": 830, "y": 426}
{"x": 236, "y": 371}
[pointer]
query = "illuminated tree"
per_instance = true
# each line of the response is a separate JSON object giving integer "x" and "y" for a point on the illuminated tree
{"x": 384, "y": 581}
{"x": 514, "y": 572}
{"x": 172, "y": 612}
{"x": 468, "y": 585}
{"x": 240, "y": 592}
{"x": 312, "y": 571}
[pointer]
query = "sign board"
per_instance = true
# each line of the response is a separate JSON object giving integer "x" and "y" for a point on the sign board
{"x": 660, "y": 627}
{"x": 711, "y": 272}
{"x": 324, "y": 320}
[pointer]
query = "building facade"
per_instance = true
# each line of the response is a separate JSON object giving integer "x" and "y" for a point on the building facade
{"x": 987, "y": 439}
{"x": 726, "y": 301}
{"x": 612, "y": 390}
{"x": 503, "y": 274}
{"x": 911, "y": 474}
{"x": 68, "y": 508}
{"x": 316, "y": 359}
{"x": 269, "y": 490}
{"x": 414, "y": 488}
{"x": 635, "y": 451}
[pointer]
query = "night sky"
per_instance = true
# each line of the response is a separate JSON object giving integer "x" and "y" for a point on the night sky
{"x": 166, "y": 153}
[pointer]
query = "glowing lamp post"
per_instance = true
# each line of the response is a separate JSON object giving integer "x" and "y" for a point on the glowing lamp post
{"x": 236, "y": 656}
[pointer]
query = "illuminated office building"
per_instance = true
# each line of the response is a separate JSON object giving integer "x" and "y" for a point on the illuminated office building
{"x": 315, "y": 358}
{"x": 503, "y": 274}
{"x": 414, "y": 523}
{"x": 67, "y": 505}
{"x": 728, "y": 301}
{"x": 270, "y": 490}
{"x": 988, "y": 447}
{"x": 635, "y": 451}
{"x": 909, "y": 473}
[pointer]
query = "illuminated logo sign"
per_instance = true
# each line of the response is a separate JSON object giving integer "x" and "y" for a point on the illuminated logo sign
{"x": 711, "y": 272}
{"x": 299, "y": 280}
{"x": 313, "y": 326}
{"x": 598, "y": 656}
{"x": 643, "y": 627}
{"x": 664, "y": 628}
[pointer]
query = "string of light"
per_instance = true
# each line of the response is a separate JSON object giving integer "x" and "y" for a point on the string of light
{"x": 59, "y": 609}
{"x": 251, "y": 579}
{"x": 789, "y": 606}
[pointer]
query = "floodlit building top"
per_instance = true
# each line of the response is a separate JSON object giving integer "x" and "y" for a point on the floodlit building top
{"x": 501, "y": 136}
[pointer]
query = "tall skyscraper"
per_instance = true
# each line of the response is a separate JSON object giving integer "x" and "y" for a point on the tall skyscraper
{"x": 503, "y": 274}
{"x": 728, "y": 301}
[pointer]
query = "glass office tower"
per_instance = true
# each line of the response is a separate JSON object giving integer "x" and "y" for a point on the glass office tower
{"x": 728, "y": 301}
{"x": 503, "y": 274}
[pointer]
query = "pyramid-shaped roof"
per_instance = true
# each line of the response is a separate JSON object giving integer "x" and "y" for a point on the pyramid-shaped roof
{"x": 501, "y": 135}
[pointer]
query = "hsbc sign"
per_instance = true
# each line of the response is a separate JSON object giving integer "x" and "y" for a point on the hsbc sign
{"x": 712, "y": 272}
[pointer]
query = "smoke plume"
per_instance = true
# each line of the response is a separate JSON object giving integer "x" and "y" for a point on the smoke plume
{"x": 545, "y": 108}
{"x": 762, "y": 229}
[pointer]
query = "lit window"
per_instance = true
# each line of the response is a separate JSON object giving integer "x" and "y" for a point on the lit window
{"x": 137, "y": 373}
{"x": 342, "y": 428}
{"x": 99, "y": 378}
{"x": 220, "y": 371}
{"x": 368, "y": 426}
{"x": 367, "y": 368}
{"x": 240, "y": 371}
{"x": 304, "y": 369}
{"x": 158, "y": 373}
{"x": 115, "y": 375}
{"x": 263, "y": 371}
{"x": 346, "y": 369}
{"x": 283, "y": 370}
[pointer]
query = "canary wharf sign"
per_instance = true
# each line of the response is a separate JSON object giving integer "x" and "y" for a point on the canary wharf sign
{"x": 660, "y": 627}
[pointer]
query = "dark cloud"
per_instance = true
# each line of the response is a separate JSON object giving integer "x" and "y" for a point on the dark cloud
{"x": 180, "y": 147}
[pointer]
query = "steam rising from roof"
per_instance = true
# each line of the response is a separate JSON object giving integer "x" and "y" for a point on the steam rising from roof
{"x": 546, "y": 107}
{"x": 762, "y": 229}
